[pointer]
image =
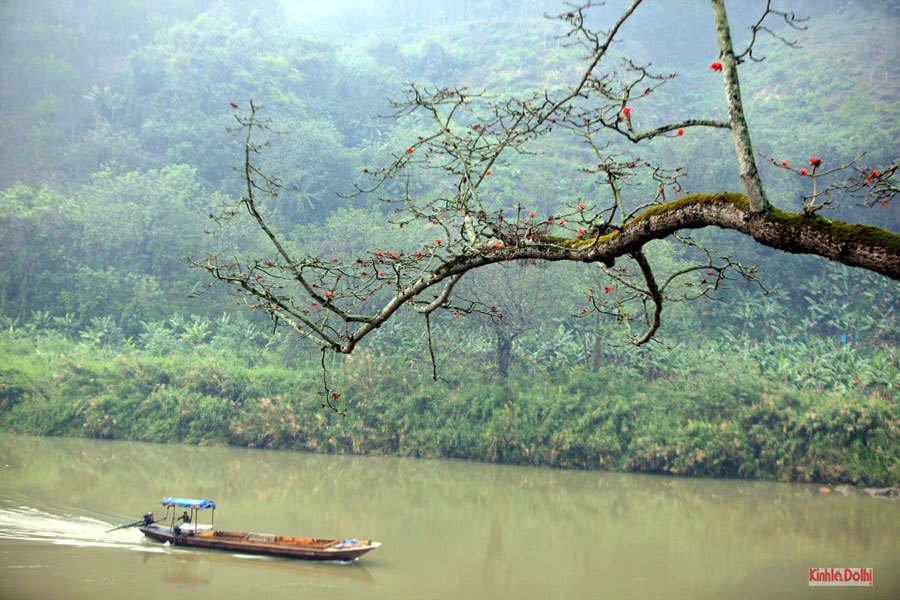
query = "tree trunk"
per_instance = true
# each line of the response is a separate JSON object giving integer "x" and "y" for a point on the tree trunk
{"x": 504, "y": 349}
{"x": 759, "y": 204}
{"x": 597, "y": 354}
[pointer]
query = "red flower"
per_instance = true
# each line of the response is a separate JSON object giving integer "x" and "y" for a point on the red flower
{"x": 716, "y": 66}
{"x": 253, "y": 307}
{"x": 626, "y": 111}
{"x": 884, "y": 202}
{"x": 455, "y": 314}
{"x": 584, "y": 310}
{"x": 803, "y": 171}
{"x": 607, "y": 289}
{"x": 580, "y": 231}
{"x": 868, "y": 180}
{"x": 815, "y": 162}
{"x": 381, "y": 273}
{"x": 677, "y": 190}
{"x": 438, "y": 241}
{"x": 418, "y": 255}
{"x": 874, "y": 172}
{"x": 409, "y": 150}
{"x": 488, "y": 172}
{"x": 365, "y": 170}
{"x": 562, "y": 222}
{"x": 315, "y": 305}
{"x": 379, "y": 254}
{"x": 679, "y": 132}
{"x": 394, "y": 256}
{"x": 363, "y": 298}
{"x": 661, "y": 192}
{"x": 531, "y": 214}
{"x": 784, "y": 163}
{"x": 496, "y": 244}
{"x": 328, "y": 294}
{"x": 615, "y": 231}
{"x": 581, "y": 206}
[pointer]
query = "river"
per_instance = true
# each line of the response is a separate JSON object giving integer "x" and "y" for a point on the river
{"x": 449, "y": 529}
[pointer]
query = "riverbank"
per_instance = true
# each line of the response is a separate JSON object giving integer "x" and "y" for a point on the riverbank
{"x": 708, "y": 423}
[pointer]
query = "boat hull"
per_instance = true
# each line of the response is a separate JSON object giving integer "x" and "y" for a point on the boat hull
{"x": 251, "y": 543}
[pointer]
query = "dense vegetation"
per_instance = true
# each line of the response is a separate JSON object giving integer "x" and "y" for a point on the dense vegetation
{"x": 115, "y": 150}
{"x": 702, "y": 410}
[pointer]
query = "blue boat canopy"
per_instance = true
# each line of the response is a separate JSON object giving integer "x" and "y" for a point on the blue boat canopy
{"x": 189, "y": 503}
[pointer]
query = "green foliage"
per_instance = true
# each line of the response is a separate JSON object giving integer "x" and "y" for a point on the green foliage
{"x": 115, "y": 151}
{"x": 718, "y": 422}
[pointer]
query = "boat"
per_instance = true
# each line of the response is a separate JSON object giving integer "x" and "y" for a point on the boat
{"x": 186, "y": 531}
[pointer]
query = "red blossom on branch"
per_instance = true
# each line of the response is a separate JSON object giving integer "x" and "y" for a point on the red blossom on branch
{"x": 607, "y": 289}
{"x": 679, "y": 132}
{"x": 716, "y": 66}
{"x": 815, "y": 162}
{"x": 626, "y": 111}
{"x": 803, "y": 171}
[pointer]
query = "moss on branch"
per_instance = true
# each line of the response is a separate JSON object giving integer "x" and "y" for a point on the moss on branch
{"x": 792, "y": 232}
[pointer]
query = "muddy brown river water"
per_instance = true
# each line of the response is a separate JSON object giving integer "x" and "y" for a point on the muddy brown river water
{"x": 449, "y": 529}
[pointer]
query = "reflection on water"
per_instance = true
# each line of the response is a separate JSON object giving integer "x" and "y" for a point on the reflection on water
{"x": 450, "y": 529}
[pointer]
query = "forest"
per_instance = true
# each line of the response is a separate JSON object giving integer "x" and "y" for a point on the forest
{"x": 120, "y": 156}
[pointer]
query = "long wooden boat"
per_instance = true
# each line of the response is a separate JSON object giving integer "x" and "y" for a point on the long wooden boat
{"x": 204, "y": 536}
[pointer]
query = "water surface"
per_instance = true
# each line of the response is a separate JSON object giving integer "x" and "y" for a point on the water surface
{"x": 450, "y": 529}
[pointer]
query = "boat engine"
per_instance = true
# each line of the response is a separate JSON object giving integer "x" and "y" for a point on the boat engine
{"x": 148, "y": 518}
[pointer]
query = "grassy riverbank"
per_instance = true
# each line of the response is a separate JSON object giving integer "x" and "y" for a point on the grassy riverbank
{"x": 710, "y": 422}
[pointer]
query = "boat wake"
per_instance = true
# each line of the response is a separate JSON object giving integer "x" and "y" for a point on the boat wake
{"x": 31, "y": 524}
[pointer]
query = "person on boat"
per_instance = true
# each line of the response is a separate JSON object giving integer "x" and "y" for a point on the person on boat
{"x": 183, "y": 520}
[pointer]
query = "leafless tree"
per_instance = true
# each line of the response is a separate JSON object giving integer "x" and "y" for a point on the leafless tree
{"x": 333, "y": 303}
